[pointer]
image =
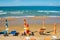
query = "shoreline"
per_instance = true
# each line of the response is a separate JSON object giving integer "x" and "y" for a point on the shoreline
{"x": 26, "y": 16}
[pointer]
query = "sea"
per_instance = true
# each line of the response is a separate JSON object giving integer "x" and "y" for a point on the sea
{"x": 29, "y": 11}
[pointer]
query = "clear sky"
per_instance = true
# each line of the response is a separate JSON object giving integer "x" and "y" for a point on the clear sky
{"x": 29, "y": 2}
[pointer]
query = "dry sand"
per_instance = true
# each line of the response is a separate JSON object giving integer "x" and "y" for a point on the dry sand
{"x": 17, "y": 24}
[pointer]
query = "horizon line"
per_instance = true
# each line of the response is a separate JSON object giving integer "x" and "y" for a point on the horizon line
{"x": 9, "y": 6}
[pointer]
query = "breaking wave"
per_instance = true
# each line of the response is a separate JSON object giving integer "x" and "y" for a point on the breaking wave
{"x": 47, "y": 11}
{"x": 18, "y": 16}
{"x": 2, "y": 12}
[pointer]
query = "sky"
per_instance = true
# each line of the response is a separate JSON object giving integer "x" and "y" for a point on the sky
{"x": 29, "y": 2}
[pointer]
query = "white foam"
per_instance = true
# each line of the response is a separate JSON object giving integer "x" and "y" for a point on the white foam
{"x": 2, "y": 12}
{"x": 47, "y": 11}
{"x": 18, "y": 16}
{"x": 29, "y": 16}
{"x": 53, "y": 16}
{"x": 16, "y": 12}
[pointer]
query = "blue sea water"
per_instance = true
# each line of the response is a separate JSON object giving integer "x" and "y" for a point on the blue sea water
{"x": 15, "y": 11}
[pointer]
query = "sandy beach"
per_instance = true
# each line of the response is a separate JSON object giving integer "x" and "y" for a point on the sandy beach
{"x": 35, "y": 23}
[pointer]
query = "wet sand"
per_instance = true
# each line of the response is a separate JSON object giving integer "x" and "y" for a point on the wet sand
{"x": 35, "y": 23}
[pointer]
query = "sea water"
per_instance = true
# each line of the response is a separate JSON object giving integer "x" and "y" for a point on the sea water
{"x": 29, "y": 11}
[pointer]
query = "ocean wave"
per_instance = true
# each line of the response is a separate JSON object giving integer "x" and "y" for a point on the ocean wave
{"x": 18, "y": 16}
{"x": 27, "y": 16}
{"x": 16, "y": 12}
{"x": 2, "y": 12}
{"x": 53, "y": 16}
{"x": 47, "y": 11}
